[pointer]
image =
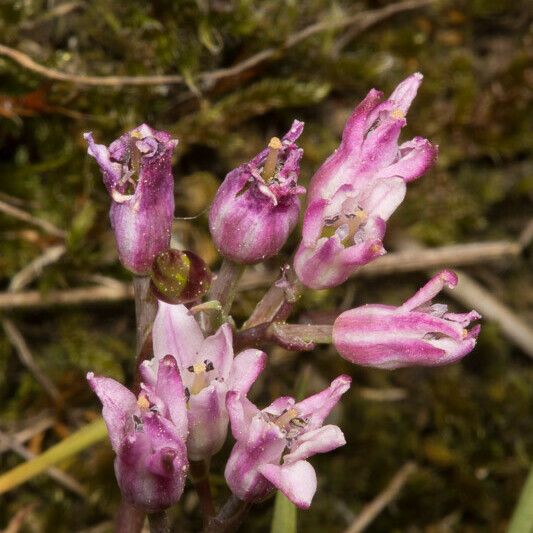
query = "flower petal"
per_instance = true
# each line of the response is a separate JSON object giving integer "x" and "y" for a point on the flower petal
{"x": 218, "y": 349}
{"x": 176, "y": 332}
{"x": 296, "y": 480}
{"x": 320, "y": 440}
{"x": 169, "y": 389}
{"x": 119, "y": 404}
{"x": 318, "y": 406}
{"x": 245, "y": 369}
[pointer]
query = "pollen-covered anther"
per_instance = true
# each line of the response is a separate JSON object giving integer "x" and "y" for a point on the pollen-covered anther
{"x": 200, "y": 380}
{"x": 377, "y": 248}
{"x": 143, "y": 402}
{"x": 269, "y": 168}
{"x": 283, "y": 420}
{"x": 397, "y": 114}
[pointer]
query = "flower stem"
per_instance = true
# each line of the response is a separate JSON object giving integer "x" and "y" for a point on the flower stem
{"x": 129, "y": 519}
{"x": 145, "y": 309}
{"x": 229, "y": 517}
{"x": 199, "y": 471}
{"x": 224, "y": 287}
{"x": 275, "y": 305}
{"x": 295, "y": 337}
{"x": 223, "y": 290}
{"x": 159, "y": 522}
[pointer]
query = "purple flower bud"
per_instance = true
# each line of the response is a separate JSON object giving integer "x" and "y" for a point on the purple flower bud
{"x": 418, "y": 333}
{"x": 148, "y": 436}
{"x": 357, "y": 189}
{"x": 273, "y": 444}
{"x": 137, "y": 173}
{"x": 208, "y": 370}
{"x": 257, "y": 205}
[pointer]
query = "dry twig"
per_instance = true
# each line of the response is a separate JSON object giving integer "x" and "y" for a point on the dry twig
{"x": 405, "y": 261}
{"x": 26, "y": 217}
{"x": 370, "y": 511}
{"x": 26, "y": 357}
{"x": 473, "y": 295}
{"x": 362, "y": 20}
{"x": 34, "y": 268}
{"x": 36, "y": 427}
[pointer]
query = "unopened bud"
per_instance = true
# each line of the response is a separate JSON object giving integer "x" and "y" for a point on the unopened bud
{"x": 179, "y": 277}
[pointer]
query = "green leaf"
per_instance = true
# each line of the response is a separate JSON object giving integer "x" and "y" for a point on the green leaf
{"x": 522, "y": 519}
{"x": 73, "y": 444}
{"x": 285, "y": 518}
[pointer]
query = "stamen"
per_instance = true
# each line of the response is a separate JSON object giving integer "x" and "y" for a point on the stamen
{"x": 200, "y": 379}
{"x": 143, "y": 402}
{"x": 397, "y": 114}
{"x": 286, "y": 417}
{"x": 269, "y": 168}
{"x": 351, "y": 218}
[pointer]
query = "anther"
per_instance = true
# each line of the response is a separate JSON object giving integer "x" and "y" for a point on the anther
{"x": 269, "y": 168}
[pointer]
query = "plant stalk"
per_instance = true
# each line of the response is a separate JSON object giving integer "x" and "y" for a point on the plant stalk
{"x": 159, "y": 522}
{"x": 199, "y": 471}
{"x": 229, "y": 517}
{"x": 129, "y": 519}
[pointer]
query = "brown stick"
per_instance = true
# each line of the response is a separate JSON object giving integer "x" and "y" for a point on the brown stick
{"x": 26, "y": 357}
{"x": 365, "y": 19}
{"x": 35, "y": 268}
{"x": 79, "y": 296}
{"x": 473, "y": 295}
{"x": 404, "y": 261}
{"x": 38, "y": 425}
{"x": 26, "y": 217}
{"x": 371, "y": 511}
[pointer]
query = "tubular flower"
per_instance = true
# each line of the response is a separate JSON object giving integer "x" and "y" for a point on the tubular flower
{"x": 257, "y": 205}
{"x": 208, "y": 370}
{"x": 148, "y": 436}
{"x": 137, "y": 173}
{"x": 273, "y": 444}
{"x": 357, "y": 189}
{"x": 418, "y": 333}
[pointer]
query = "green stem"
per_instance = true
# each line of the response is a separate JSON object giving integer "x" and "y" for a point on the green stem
{"x": 522, "y": 519}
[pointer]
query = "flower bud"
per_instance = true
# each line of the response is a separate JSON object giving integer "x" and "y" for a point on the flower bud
{"x": 179, "y": 277}
{"x": 418, "y": 333}
{"x": 137, "y": 173}
{"x": 257, "y": 205}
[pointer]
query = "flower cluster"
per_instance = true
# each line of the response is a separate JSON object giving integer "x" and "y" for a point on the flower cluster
{"x": 193, "y": 388}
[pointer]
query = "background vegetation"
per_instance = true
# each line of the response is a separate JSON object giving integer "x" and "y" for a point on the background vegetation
{"x": 468, "y": 427}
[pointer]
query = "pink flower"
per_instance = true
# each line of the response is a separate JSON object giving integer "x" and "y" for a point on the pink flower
{"x": 208, "y": 370}
{"x": 357, "y": 189}
{"x": 137, "y": 173}
{"x": 418, "y": 333}
{"x": 148, "y": 436}
{"x": 273, "y": 444}
{"x": 257, "y": 205}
